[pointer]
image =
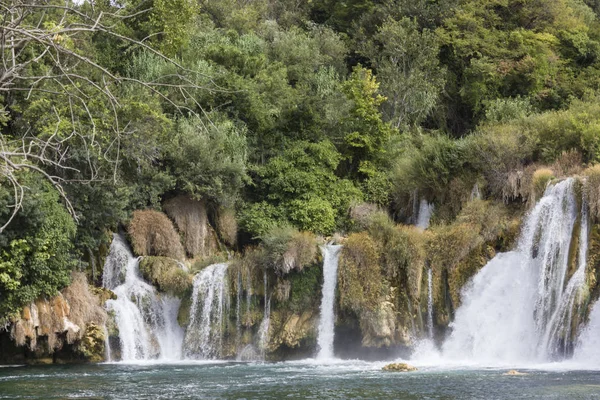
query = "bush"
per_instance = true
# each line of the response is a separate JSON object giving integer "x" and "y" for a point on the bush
{"x": 36, "y": 249}
{"x": 166, "y": 274}
{"x": 153, "y": 234}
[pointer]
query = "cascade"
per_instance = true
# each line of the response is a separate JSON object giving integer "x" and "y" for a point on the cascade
{"x": 519, "y": 306}
{"x": 331, "y": 254}
{"x": 204, "y": 334}
{"x": 147, "y": 321}
{"x": 424, "y": 215}
{"x": 588, "y": 344}
{"x": 263, "y": 330}
{"x": 430, "y": 303}
{"x": 238, "y": 323}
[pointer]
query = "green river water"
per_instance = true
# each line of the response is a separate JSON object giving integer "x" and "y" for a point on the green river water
{"x": 290, "y": 380}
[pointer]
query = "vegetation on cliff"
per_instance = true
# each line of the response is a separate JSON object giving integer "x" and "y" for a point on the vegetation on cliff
{"x": 256, "y": 126}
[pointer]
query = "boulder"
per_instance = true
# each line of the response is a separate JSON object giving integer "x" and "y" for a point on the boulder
{"x": 399, "y": 367}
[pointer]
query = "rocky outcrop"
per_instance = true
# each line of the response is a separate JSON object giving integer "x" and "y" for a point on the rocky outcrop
{"x": 399, "y": 367}
{"x": 69, "y": 324}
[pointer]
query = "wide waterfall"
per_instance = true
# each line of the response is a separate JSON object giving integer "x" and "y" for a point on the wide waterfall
{"x": 147, "y": 322}
{"x": 331, "y": 254}
{"x": 210, "y": 303}
{"x": 519, "y": 307}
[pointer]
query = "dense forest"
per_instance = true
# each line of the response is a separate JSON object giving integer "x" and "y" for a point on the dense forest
{"x": 287, "y": 120}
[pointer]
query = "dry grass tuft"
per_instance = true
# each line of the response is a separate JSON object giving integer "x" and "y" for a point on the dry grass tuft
{"x": 192, "y": 221}
{"x": 539, "y": 182}
{"x": 568, "y": 163}
{"x": 153, "y": 234}
{"x": 227, "y": 225}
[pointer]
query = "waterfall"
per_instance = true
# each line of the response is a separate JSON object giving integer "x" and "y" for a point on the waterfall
{"x": 147, "y": 321}
{"x": 430, "y": 303}
{"x": 424, "y": 215}
{"x": 263, "y": 330}
{"x": 588, "y": 345}
{"x": 331, "y": 255}
{"x": 519, "y": 306}
{"x": 238, "y": 300}
{"x": 204, "y": 334}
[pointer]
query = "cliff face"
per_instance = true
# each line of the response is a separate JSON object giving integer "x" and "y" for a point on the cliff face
{"x": 396, "y": 285}
{"x": 66, "y": 328}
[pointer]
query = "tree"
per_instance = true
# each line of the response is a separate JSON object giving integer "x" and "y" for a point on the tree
{"x": 408, "y": 68}
{"x": 75, "y": 104}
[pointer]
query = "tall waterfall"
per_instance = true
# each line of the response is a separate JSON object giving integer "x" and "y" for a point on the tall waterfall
{"x": 331, "y": 254}
{"x": 204, "y": 334}
{"x": 147, "y": 321}
{"x": 519, "y": 306}
{"x": 430, "y": 303}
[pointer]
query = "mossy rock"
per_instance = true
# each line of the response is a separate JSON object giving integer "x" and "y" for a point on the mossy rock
{"x": 166, "y": 274}
{"x": 399, "y": 367}
{"x": 92, "y": 345}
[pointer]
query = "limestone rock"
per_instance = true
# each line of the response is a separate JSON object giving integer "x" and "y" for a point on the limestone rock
{"x": 399, "y": 367}
{"x": 514, "y": 372}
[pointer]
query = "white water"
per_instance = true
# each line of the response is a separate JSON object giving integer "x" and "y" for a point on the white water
{"x": 517, "y": 307}
{"x": 424, "y": 215}
{"x": 263, "y": 330}
{"x": 325, "y": 336}
{"x": 430, "y": 303}
{"x": 147, "y": 321}
{"x": 204, "y": 334}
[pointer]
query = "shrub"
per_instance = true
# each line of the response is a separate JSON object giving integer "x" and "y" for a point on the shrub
{"x": 166, "y": 274}
{"x": 153, "y": 234}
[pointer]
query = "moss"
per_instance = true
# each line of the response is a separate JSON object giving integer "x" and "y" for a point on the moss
{"x": 287, "y": 249}
{"x": 361, "y": 282}
{"x": 305, "y": 288}
{"x": 91, "y": 345}
{"x": 183, "y": 316}
{"x": 540, "y": 180}
{"x": 592, "y": 190}
{"x": 166, "y": 274}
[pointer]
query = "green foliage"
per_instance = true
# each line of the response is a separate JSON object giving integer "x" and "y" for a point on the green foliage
{"x": 305, "y": 287}
{"x": 207, "y": 159}
{"x": 36, "y": 251}
{"x": 299, "y": 187}
{"x": 407, "y": 65}
{"x": 367, "y": 132}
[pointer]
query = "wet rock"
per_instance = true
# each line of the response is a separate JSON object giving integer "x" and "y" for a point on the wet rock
{"x": 399, "y": 367}
{"x": 514, "y": 372}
